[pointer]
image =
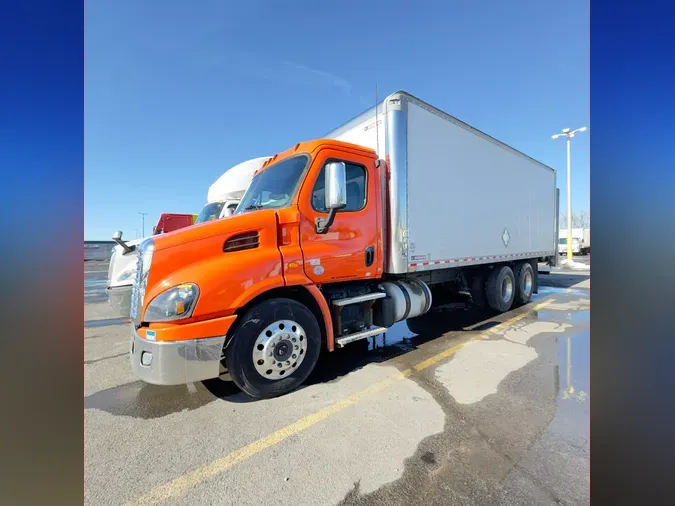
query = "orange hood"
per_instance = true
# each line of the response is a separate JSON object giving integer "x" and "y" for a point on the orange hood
{"x": 221, "y": 227}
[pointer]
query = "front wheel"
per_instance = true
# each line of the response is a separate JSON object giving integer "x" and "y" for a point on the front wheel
{"x": 274, "y": 348}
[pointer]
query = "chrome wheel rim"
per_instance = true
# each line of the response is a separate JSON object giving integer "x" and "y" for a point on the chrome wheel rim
{"x": 507, "y": 289}
{"x": 279, "y": 349}
{"x": 527, "y": 284}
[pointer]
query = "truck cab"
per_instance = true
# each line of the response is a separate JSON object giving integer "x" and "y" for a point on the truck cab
{"x": 307, "y": 232}
{"x": 216, "y": 210}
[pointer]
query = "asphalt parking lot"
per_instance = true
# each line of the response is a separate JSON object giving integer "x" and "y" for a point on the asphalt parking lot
{"x": 480, "y": 409}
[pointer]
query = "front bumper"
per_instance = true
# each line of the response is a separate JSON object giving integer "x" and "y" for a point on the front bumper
{"x": 176, "y": 362}
{"x": 119, "y": 300}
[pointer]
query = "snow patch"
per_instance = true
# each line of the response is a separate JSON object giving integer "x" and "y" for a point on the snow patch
{"x": 577, "y": 266}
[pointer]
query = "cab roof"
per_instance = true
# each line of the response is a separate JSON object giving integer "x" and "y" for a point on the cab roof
{"x": 314, "y": 145}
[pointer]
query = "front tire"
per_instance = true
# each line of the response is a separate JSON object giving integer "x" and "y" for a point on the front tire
{"x": 500, "y": 288}
{"x": 274, "y": 348}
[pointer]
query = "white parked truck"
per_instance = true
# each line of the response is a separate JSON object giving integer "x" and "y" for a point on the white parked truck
{"x": 581, "y": 241}
{"x": 222, "y": 200}
{"x": 335, "y": 241}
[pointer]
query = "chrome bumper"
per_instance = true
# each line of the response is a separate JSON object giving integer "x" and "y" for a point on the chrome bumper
{"x": 119, "y": 300}
{"x": 176, "y": 362}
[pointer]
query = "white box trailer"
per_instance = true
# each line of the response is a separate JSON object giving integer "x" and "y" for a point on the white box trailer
{"x": 456, "y": 196}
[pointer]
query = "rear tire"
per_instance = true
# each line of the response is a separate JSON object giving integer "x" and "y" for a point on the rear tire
{"x": 524, "y": 276}
{"x": 500, "y": 289}
{"x": 274, "y": 348}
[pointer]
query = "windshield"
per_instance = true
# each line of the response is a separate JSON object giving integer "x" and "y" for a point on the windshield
{"x": 564, "y": 240}
{"x": 275, "y": 186}
{"x": 210, "y": 212}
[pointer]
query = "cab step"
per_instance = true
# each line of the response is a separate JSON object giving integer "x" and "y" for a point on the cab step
{"x": 359, "y": 298}
{"x": 341, "y": 341}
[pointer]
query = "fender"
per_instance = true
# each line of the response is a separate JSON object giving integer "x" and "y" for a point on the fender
{"x": 327, "y": 318}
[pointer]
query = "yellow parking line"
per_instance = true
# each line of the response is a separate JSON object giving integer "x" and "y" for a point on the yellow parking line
{"x": 179, "y": 485}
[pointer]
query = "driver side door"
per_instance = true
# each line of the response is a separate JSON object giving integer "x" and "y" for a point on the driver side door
{"x": 352, "y": 247}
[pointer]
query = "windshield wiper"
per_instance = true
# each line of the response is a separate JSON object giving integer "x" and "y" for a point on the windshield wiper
{"x": 253, "y": 206}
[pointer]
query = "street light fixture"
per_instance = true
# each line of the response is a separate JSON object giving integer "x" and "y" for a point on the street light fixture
{"x": 143, "y": 223}
{"x": 566, "y": 132}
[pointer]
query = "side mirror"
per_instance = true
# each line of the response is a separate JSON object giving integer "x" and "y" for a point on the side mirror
{"x": 335, "y": 194}
{"x": 336, "y": 186}
{"x": 117, "y": 237}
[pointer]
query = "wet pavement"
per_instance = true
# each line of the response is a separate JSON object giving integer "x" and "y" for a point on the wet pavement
{"x": 476, "y": 409}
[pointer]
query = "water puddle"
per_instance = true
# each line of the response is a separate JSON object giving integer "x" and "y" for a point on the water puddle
{"x": 574, "y": 316}
{"x": 547, "y": 291}
{"x": 574, "y": 366}
{"x": 142, "y": 400}
{"x": 398, "y": 340}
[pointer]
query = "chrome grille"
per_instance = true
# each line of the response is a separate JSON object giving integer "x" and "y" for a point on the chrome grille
{"x": 135, "y": 290}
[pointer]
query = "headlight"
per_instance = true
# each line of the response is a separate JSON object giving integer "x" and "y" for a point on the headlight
{"x": 174, "y": 304}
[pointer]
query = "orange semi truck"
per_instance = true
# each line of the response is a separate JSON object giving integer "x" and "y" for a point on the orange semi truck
{"x": 337, "y": 239}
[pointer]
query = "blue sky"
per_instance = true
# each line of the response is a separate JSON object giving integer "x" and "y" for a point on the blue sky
{"x": 176, "y": 92}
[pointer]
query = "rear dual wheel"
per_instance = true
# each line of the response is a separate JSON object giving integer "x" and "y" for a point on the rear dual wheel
{"x": 500, "y": 288}
{"x": 274, "y": 347}
{"x": 506, "y": 287}
{"x": 524, "y": 275}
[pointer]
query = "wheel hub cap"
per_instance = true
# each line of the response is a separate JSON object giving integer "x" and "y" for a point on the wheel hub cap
{"x": 507, "y": 289}
{"x": 282, "y": 350}
{"x": 527, "y": 284}
{"x": 279, "y": 349}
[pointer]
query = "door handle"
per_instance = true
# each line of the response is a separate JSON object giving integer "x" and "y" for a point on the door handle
{"x": 370, "y": 255}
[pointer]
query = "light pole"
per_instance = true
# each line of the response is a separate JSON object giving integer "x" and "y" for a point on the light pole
{"x": 569, "y": 134}
{"x": 143, "y": 223}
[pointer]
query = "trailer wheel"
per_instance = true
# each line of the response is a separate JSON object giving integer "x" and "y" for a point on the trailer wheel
{"x": 500, "y": 288}
{"x": 524, "y": 276}
{"x": 274, "y": 348}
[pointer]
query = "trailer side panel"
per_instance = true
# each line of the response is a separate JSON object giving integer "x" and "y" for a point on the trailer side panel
{"x": 470, "y": 198}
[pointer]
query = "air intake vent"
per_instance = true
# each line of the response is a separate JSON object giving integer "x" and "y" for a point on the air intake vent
{"x": 248, "y": 240}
